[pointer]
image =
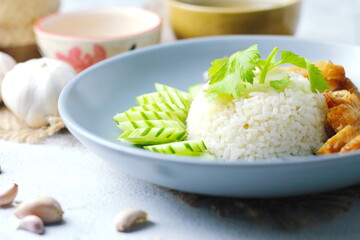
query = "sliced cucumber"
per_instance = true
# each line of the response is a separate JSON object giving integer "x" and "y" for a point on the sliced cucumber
{"x": 164, "y": 88}
{"x": 195, "y": 89}
{"x": 181, "y": 148}
{"x": 159, "y": 107}
{"x": 177, "y": 99}
{"x": 149, "y": 98}
{"x": 146, "y": 115}
{"x": 181, "y": 115}
{"x": 171, "y": 97}
{"x": 131, "y": 125}
{"x": 148, "y": 136}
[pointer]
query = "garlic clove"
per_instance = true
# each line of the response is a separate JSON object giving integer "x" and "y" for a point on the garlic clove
{"x": 125, "y": 219}
{"x": 32, "y": 223}
{"x": 46, "y": 208}
{"x": 8, "y": 194}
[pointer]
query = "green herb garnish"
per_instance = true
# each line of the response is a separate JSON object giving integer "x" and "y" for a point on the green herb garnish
{"x": 229, "y": 76}
{"x": 280, "y": 84}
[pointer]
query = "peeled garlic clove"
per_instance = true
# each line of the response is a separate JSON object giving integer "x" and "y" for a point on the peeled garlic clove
{"x": 8, "y": 194}
{"x": 125, "y": 219}
{"x": 32, "y": 223}
{"x": 46, "y": 208}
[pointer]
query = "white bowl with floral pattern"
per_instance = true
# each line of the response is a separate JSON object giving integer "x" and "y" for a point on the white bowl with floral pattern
{"x": 85, "y": 37}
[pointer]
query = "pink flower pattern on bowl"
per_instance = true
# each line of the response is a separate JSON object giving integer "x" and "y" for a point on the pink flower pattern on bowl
{"x": 79, "y": 61}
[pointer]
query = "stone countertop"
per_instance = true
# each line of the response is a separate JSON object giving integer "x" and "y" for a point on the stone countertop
{"x": 92, "y": 191}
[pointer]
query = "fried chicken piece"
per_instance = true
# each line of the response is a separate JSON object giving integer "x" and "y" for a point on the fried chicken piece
{"x": 344, "y": 109}
{"x": 344, "y": 118}
{"x": 341, "y": 139}
{"x": 335, "y": 98}
{"x": 353, "y": 145}
{"x": 340, "y": 116}
{"x": 334, "y": 75}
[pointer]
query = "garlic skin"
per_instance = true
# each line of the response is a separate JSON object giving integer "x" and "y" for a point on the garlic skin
{"x": 45, "y": 207}
{"x": 6, "y": 64}
{"x": 32, "y": 223}
{"x": 31, "y": 89}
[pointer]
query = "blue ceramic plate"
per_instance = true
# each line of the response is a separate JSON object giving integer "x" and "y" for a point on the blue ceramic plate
{"x": 89, "y": 102}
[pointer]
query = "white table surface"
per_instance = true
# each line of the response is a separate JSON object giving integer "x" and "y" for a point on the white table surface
{"x": 92, "y": 191}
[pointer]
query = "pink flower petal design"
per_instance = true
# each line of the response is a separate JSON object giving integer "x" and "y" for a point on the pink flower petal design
{"x": 79, "y": 62}
{"x": 99, "y": 53}
{"x": 61, "y": 57}
{"x": 88, "y": 60}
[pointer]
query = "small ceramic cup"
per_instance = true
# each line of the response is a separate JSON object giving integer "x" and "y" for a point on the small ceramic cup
{"x": 86, "y": 37}
{"x": 197, "y": 18}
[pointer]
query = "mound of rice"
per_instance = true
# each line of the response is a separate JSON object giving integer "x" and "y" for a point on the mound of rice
{"x": 266, "y": 124}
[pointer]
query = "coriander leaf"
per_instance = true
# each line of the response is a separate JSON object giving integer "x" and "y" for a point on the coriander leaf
{"x": 316, "y": 79}
{"x": 280, "y": 84}
{"x": 217, "y": 65}
{"x": 232, "y": 76}
{"x": 227, "y": 76}
{"x": 232, "y": 88}
{"x": 270, "y": 61}
{"x": 292, "y": 58}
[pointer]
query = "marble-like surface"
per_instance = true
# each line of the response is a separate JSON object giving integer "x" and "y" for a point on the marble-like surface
{"x": 92, "y": 191}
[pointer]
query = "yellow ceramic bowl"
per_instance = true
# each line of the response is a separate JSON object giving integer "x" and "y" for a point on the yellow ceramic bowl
{"x": 197, "y": 18}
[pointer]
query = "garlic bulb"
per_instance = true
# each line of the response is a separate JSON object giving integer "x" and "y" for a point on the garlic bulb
{"x": 31, "y": 89}
{"x": 6, "y": 64}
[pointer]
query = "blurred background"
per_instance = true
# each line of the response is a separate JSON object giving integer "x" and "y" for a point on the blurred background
{"x": 323, "y": 20}
{"x": 330, "y": 20}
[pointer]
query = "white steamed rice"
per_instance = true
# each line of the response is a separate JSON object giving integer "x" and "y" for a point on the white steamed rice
{"x": 264, "y": 125}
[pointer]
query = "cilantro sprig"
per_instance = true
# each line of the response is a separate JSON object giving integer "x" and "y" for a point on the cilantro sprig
{"x": 229, "y": 76}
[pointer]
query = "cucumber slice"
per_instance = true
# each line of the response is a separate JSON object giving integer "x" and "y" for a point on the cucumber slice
{"x": 164, "y": 88}
{"x": 131, "y": 125}
{"x": 180, "y": 115}
{"x": 171, "y": 97}
{"x": 149, "y": 98}
{"x": 181, "y": 148}
{"x": 148, "y": 136}
{"x": 195, "y": 89}
{"x": 160, "y": 107}
{"x": 146, "y": 115}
